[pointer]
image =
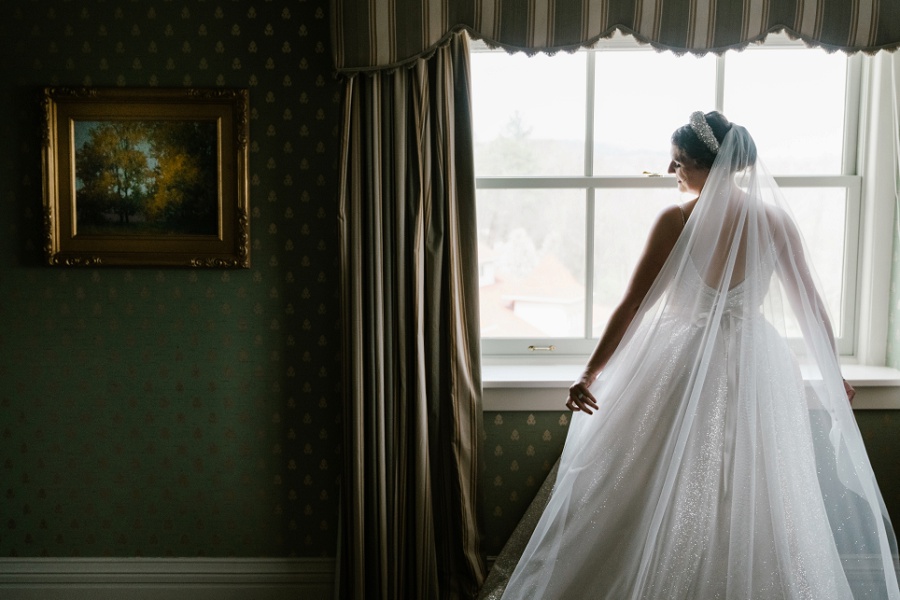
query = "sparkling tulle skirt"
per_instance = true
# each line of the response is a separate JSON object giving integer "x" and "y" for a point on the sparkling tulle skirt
{"x": 698, "y": 487}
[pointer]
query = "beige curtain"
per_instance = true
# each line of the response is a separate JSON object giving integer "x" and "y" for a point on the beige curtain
{"x": 878, "y": 142}
{"x": 378, "y": 34}
{"x": 411, "y": 341}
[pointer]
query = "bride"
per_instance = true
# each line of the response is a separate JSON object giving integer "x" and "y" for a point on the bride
{"x": 715, "y": 454}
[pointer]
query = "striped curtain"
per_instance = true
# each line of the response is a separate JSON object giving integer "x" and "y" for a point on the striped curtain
{"x": 413, "y": 420}
{"x": 377, "y": 34}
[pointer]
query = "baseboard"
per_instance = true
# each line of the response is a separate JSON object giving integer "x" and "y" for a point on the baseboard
{"x": 168, "y": 578}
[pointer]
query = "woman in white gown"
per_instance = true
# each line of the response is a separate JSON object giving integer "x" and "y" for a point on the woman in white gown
{"x": 715, "y": 454}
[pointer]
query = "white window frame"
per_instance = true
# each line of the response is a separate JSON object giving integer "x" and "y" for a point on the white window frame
{"x": 567, "y": 350}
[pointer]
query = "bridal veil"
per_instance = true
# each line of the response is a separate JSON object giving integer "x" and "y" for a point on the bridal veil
{"x": 724, "y": 460}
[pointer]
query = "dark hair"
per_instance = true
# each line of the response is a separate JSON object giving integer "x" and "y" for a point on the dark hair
{"x": 687, "y": 141}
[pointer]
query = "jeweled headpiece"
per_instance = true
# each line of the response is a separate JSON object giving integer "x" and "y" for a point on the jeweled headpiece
{"x": 704, "y": 131}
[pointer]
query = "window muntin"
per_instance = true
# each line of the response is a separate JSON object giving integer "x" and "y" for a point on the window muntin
{"x": 617, "y": 158}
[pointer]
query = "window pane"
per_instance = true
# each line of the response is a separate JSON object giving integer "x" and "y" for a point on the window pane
{"x": 528, "y": 113}
{"x": 529, "y": 120}
{"x": 531, "y": 263}
{"x": 792, "y": 102}
{"x": 623, "y": 218}
{"x": 641, "y": 98}
{"x": 820, "y": 213}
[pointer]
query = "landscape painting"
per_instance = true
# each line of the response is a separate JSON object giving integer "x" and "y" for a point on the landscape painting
{"x": 146, "y": 177}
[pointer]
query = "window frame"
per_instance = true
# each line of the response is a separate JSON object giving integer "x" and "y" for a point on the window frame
{"x": 566, "y": 350}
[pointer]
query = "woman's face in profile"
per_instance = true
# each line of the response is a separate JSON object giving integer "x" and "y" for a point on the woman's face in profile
{"x": 689, "y": 175}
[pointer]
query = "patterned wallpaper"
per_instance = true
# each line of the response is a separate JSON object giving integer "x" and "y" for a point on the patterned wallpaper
{"x": 162, "y": 412}
{"x": 176, "y": 412}
{"x": 520, "y": 450}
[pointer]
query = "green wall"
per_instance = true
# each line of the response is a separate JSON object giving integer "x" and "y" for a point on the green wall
{"x": 520, "y": 449}
{"x": 157, "y": 412}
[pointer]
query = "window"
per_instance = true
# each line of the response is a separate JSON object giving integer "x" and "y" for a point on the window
{"x": 571, "y": 153}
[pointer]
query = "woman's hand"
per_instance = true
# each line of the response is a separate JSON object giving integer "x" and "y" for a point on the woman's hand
{"x": 851, "y": 393}
{"x": 580, "y": 397}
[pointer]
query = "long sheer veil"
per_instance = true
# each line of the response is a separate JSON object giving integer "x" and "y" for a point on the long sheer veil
{"x": 724, "y": 461}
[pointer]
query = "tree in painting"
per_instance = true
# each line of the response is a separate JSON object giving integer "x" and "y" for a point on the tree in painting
{"x": 184, "y": 191}
{"x": 152, "y": 177}
{"x": 114, "y": 172}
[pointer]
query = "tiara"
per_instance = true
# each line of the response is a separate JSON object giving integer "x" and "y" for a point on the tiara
{"x": 704, "y": 131}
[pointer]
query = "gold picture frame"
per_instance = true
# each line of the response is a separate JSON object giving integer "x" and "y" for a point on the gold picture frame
{"x": 146, "y": 177}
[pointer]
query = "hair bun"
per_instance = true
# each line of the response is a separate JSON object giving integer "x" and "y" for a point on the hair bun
{"x": 714, "y": 126}
{"x": 719, "y": 124}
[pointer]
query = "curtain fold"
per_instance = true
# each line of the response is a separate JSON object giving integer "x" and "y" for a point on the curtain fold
{"x": 369, "y": 35}
{"x": 878, "y": 143}
{"x": 893, "y": 342}
{"x": 411, "y": 342}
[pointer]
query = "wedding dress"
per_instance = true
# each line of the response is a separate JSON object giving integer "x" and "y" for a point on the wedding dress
{"x": 724, "y": 460}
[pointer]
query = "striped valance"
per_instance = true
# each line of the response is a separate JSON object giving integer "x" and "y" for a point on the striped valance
{"x": 379, "y": 34}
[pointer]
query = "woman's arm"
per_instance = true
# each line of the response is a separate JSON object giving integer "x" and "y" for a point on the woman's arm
{"x": 791, "y": 258}
{"x": 659, "y": 244}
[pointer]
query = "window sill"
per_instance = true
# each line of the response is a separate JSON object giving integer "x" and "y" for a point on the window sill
{"x": 523, "y": 387}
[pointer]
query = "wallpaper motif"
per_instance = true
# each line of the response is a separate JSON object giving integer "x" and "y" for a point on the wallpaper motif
{"x": 520, "y": 449}
{"x": 174, "y": 412}
{"x": 186, "y": 412}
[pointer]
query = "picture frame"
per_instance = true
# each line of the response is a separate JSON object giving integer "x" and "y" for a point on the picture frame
{"x": 146, "y": 177}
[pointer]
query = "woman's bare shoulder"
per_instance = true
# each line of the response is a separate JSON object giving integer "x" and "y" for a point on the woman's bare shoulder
{"x": 668, "y": 226}
{"x": 776, "y": 214}
{"x": 780, "y": 220}
{"x": 675, "y": 215}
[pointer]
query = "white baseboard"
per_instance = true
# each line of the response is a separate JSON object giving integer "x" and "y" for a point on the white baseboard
{"x": 166, "y": 578}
